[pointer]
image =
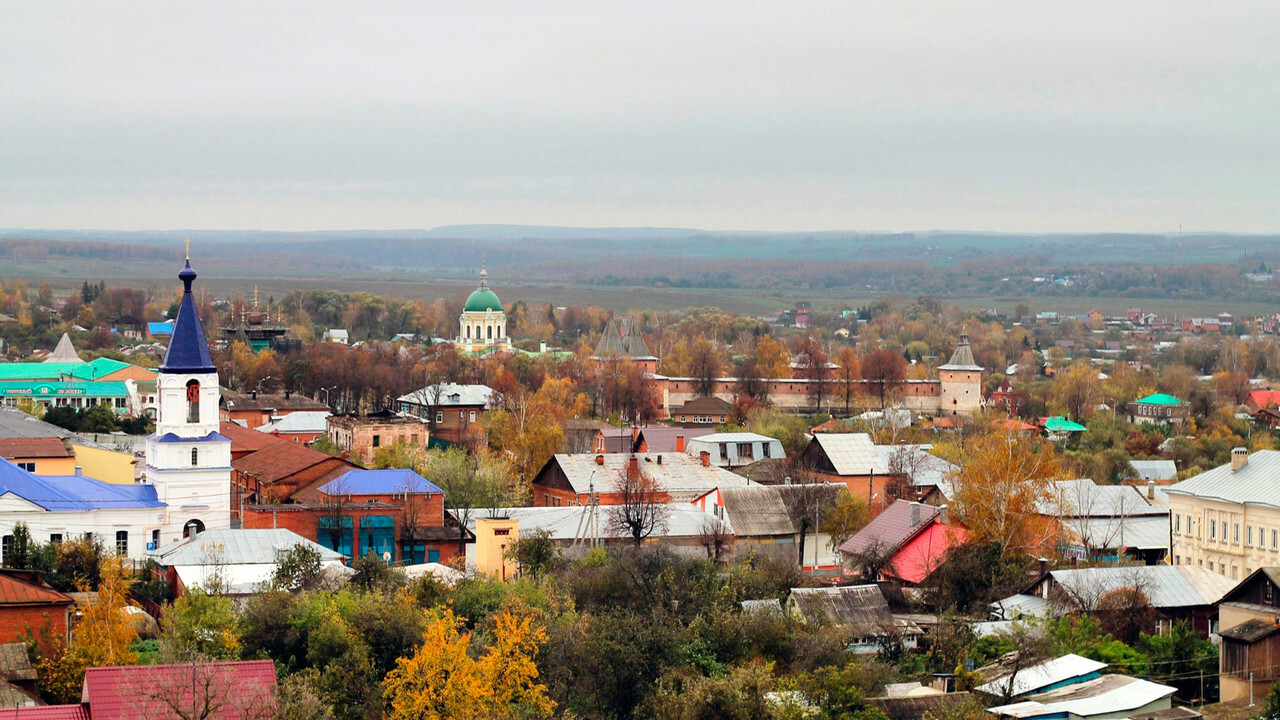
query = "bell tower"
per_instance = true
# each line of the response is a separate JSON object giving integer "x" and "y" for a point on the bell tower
{"x": 187, "y": 459}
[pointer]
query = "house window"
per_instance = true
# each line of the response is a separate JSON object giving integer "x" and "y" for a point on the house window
{"x": 122, "y": 542}
{"x": 377, "y": 440}
{"x": 1177, "y": 559}
{"x": 55, "y": 538}
{"x": 1213, "y": 531}
{"x": 439, "y": 417}
{"x": 764, "y": 450}
{"x": 1248, "y": 535}
{"x": 473, "y": 416}
{"x": 1224, "y": 531}
{"x": 28, "y": 466}
{"x": 193, "y": 401}
{"x": 155, "y": 539}
{"x": 6, "y": 547}
{"x": 1177, "y": 523}
{"x": 195, "y": 457}
{"x": 1188, "y": 524}
{"x": 1275, "y": 536}
{"x": 1235, "y": 536}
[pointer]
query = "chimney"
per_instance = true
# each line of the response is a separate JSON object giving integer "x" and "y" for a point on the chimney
{"x": 633, "y": 467}
{"x": 1044, "y": 565}
{"x": 705, "y": 457}
{"x": 943, "y": 514}
{"x": 288, "y": 394}
{"x": 253, "y": 394}
{"x": 1239, "y": 458}
{"x": 659, "y": 459}
{"x": 679, "y": 443}
{"x": 915, "y": 514}
{"x": 542, "y": 347}
{"x": 599, "y": 459}
{"x": 1151, "y": 489}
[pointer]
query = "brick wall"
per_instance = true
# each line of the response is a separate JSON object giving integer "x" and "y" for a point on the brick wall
{"x": 14, "y": 621}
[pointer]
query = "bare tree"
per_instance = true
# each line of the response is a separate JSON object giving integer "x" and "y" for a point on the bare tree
{"x": 806, "y": 501}
{"x": 640, "y": 511}
{"x": 716, "y": 538}
{"x": 873, "y": 560}
{"x": 197, "y": 689}
{"x": 333, "y": 510}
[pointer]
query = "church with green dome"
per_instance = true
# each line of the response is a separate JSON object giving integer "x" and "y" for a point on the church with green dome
{"x": 483, "y": 324}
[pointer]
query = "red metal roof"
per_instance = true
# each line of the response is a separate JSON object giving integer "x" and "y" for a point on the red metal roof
{"x": 17, "y": 591}
{"x": 45, "y": 712}
{"x": 124, "y": 693}
{"x": 244, "y": 440}
{"x": 50, "y": 447}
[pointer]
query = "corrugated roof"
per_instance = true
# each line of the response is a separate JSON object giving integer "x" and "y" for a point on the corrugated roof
{"x": 18, "y": 591}
{"x": 658, "y": 439}
{"x": 1020, "y": 606}
{"x": 677, "y": 472}
{"x": 244, "y": 546}
{"x": 861, "y": 609}
{"x": 113, "y": 693}
{"x": 851, "y": 453}
{"x": 45, "y": 712}
{"x": 756, "y": 511}
{"x": 450, "y": 394}
{"x": 1058, "y": 424}
{"x": 1155, "y": 469}
{"x": 302, "y": 421}
{"x": 379, "y": 482}
{"x": 891, "y": 528}
{"x": 1085, "y": 498}
{"x": 234, "y": 401}
{"x": 1107, "y": 695}
{"x": 1166, "y": 586}
{"x": 924, "y": 468}
{"x": 1158, "y": 399}
{"x": 73, "y": 492}
{"x": 1149, "y": 532}
{"x": 1257, "y": 483}
{"x": 1042, "y": 675}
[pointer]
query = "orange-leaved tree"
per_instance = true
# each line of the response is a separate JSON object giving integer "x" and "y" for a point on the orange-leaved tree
{"x": 1004, "y": 491}
{"x": 441, "y": 681}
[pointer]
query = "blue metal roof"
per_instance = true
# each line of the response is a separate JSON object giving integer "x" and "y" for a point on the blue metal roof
{"x": 73, "y": 492}
{"x": 211, "y": 437}
{"x": 160, "y": 328}
{"x": 188, "y": 352}
{"x": 379, "y": 482}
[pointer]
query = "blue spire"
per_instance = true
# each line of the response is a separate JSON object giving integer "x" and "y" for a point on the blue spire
{"x": 188, "y": 352}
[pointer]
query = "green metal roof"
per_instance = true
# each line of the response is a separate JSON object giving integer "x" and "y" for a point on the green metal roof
{"x": 91, "y": 370}
{"x": 1159, "y": 399}
{"x": 1060, "y": 424}
{"x": 482, "y": 299}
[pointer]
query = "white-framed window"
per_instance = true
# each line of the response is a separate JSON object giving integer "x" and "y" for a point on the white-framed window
{"x": 1177, "y": 524}
{"x": 1235, "y": 537}
{"x": 439, "y": 417}
{"x": 122, "y": 542}
{"x": 195, "y": 457}
{"x": 1248, "y": 535}
{"x": 473, "y": 416}
{"x": 28, "y": 466}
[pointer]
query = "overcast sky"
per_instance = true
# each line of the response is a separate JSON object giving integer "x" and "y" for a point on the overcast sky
{"x": 1019, "y": 116}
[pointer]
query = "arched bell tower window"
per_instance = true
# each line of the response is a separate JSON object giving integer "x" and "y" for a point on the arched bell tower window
{"x": 489, "y": 331}
{"x": 195, "y": 457}
{"x": 193, "y": 402}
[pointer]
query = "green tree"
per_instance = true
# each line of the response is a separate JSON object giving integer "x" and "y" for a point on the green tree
{"x": 201, "y": 625}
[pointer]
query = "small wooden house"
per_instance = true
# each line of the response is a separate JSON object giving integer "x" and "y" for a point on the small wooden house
{"x": 1249, "y": 618}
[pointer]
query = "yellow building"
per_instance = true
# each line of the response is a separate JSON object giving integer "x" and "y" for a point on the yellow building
{"x": 483, "y": 323}
{"x": 104, "y": 464}
{"x": 494, "y": 537}
{"x": 42, "y": 456}
{"x": 1228, "y": 519}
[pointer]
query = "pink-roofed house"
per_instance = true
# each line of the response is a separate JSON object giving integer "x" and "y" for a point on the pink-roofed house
{"x": 907, "y": 542}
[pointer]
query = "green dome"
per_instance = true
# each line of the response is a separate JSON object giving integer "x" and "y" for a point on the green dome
{"x": 482, "y": 299}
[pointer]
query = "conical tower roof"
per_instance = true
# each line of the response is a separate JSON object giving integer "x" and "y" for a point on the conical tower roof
{"x": 962, "y": 358}
{"x": 610, "y": 342}
{"x": 188, "y": 351}
{"x": 65, "y": 352}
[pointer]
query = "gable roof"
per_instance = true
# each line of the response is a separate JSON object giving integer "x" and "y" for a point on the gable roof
{"x": 16, "y": 590}
{"x": 1158, "y": 399}
{"x": 1257, "y": 483}
{"x": 756, "y": 511}
{"x": 861, "y": 609}
{"x": 1155, "y": 469}
{"x": 1166, "y": 586}
{"x": 233, "y": 401}
{"x": 112, "y": 693}
{"x": 662, "y": 439}
{"x": 679, "y": 475}
{"x": 34, "y": 448}
{"x": 243, "y": 546}
{"x": 301, "y": 421}
{"x": 1108, "y": 696}
{"x": 379, "y": 482}
{"x": 1040, "y": 675}
{"x": 706, "y": 405}
{"x": 62, "y": 493}
{"x": 280, "y": 460}
{"x": 924, "y": 468}
{"x": 850, "y": 453}
{"x": 1059, "y": 424}
{"x": 244, "y": 440}
{"x": 450, "y": 395}
{"x": 892, "y": 528}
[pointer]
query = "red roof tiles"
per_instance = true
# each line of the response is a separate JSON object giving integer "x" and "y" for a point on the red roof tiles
{"x": 50, "y": 447}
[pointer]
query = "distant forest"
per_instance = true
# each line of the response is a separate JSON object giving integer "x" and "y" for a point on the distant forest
{"x": 1227, "y": 267}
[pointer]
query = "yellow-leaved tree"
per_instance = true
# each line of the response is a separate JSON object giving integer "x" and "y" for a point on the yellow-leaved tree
{"x": 1004, "y": 491}
{"x": 102, "y": 637}
{"x": 442, "y": 682}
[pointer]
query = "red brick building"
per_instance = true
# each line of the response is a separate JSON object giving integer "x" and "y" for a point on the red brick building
{"x": 255, "y": 409}
{"x": 27, "y": 603}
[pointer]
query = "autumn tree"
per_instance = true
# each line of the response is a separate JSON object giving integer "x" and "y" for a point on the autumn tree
{"x": 848, "y": 376}
{"x": 640, "y": 511}
{"x": 1076, "y": 391}
{"x": 441, "y": 681}
{"x": 772, "y": 358}
{"x": 704, "y": 367}
{"x": 812, "y": 366}
{"x": 103, "y": 636}
{"x": 1002, "y": 487}
{"x": 469, "y": 482}
{"x": 530, "y": 428}
{"x": 884, "y": 371}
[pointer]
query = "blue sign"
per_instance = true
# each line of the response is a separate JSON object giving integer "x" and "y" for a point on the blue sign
{"x": 151, "y": 546}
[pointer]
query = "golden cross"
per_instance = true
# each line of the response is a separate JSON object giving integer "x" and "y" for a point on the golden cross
{"x": 188, "y": 248}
